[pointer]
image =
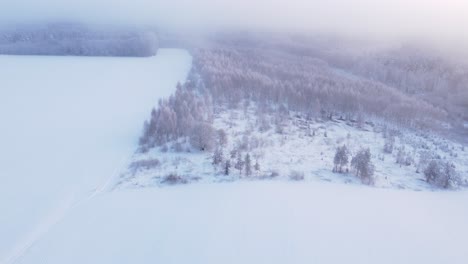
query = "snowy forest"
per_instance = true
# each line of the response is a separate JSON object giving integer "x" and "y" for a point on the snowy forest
{"x": 75, "y": 39}
{"x": 277, "y": 87}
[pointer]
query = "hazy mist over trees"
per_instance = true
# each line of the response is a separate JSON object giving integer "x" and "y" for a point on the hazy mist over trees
{"x": 77, "y": 39}
{"x": 438, "y": 22}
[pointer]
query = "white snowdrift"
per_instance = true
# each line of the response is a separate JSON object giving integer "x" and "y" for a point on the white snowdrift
{"x": 261, "y": 222}
{"x": 67, "y": 125}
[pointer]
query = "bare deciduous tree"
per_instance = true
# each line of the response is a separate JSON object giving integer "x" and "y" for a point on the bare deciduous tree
{"x": 341, "y": 158}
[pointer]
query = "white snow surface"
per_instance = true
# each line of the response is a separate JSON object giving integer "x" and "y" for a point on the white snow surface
{"x": 261, "y": 222}
{"x": 65, "y": 139}
{"x": 296, "y": 150}
{"x": 68, "y": 126}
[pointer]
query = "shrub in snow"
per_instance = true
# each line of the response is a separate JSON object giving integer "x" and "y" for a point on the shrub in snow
{"x": 441, "y": 174}
{"x": 296, "y": 176}
{"x": 341, "y": 158}
{"x": 274, "y": 174}
{"x": 404, "y": 158}
{"x": 144, "y": 165}
{"x": 363, "y": 166}
{"x": 164, "y": 148}
{"x": 178, "y": 147}
{"x": 173, "y": 178}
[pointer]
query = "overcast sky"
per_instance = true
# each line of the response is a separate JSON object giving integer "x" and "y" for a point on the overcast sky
{"x": 436, "y": 19}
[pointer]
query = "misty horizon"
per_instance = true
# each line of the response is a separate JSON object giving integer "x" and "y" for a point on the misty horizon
{"x": 434, "y": 22}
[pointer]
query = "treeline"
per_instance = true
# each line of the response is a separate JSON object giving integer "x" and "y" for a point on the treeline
{"x": 300, "y": 83}
{"x": 70, "y": 39}
{"x": 187, "y": 114}
{"x": 417, "y": 71}
{"x": 423, "y": 76}
{"x": 234, "y": 73}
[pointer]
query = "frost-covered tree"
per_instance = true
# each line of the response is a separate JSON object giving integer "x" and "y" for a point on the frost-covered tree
{"x": 239, "y": 165}
{"x": 227, "y": 167}
{"x": 221, "y": 137}
{"x": 401, "y": 157}
{"x": 441, "y": 174}
{"x": 248, "y": 165}
{"x": 202, "y": 137}
{"x": 187, "y": 114}
{"x": 257, "y": 166}
{"x": 341, "y": 159}
{"x": 363, "y": 166}
{"x": 218, "y": 156}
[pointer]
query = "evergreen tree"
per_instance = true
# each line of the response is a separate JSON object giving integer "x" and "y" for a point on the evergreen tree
{"x": 248, "y": 165}
{"x": 227, "y": 167}
{"x": 257, "y": 166}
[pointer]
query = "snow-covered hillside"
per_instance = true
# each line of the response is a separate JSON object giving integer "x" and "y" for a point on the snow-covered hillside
{"x": 296, "y": 148}
{"x": 261, "y": 222}
{"x": 68, "y": 125}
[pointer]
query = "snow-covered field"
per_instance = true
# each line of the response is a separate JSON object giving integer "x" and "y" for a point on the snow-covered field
{"x": 68, "y": 124}
{"x": 261, "y": 222}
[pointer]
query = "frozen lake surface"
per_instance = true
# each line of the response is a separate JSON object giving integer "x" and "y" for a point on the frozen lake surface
{"x": 68, "y": 124}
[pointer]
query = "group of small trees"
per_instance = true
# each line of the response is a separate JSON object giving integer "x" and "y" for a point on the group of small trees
{"x": 242, "y": 163}
{"x": 363, "y": 166}
{"x": 187, "y": 114}
{"x": 441, "y": 174}
{"x": 361, "y": 163}
{"x": 341, "y": 159}
{"x": 279, "y": 82}
{"x": 404, "y": 158}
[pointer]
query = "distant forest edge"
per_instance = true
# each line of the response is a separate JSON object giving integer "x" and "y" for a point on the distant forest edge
{"x": 317, "y": 78}
{"x": 73, "y": 39}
